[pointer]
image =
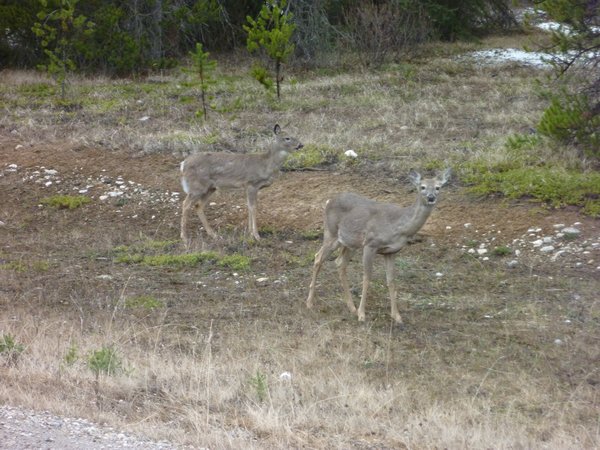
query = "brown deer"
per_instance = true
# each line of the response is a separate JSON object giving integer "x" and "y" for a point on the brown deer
{"x": 204, "y": 173}
{"x": 355, "y": 222}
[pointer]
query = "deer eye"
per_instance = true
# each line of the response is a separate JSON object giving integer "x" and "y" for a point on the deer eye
{"x": 287, "y": 139}
{"x": 423, "y": 187}
{"x": 437, "y": 188}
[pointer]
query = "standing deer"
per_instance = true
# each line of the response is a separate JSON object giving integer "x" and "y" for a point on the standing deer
{"x": 353, "y": 222}
{"x": 204, "y": 173}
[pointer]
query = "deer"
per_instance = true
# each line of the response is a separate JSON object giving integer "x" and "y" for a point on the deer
{"x": 203, "y": 173}
{"x": 352, "y": 222}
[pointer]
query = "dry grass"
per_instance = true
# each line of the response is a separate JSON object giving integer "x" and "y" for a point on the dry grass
{"x": 476, "y": 365}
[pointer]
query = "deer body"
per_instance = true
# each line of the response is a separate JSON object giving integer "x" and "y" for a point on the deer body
{"x": 203, "y": 173}
{"x": 355, "y": 222}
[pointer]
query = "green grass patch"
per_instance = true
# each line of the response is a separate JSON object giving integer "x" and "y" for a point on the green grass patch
{"x": 554, "y": 186}
{"x": 144, "y": 302}
{"x": 311, "y": 155}
{"x": 502, "y": 250}
{"x": 235, "y": 262}
{"x": 152, "y": 253}
{"x": 65, "y": 201}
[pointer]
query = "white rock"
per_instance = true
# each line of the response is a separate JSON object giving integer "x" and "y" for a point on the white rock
{"x": 482, "y": 251}
{"x": 571, "y": 230}
{"x": 537, "y": 243}
{"x": 547, "y": 239}
{"x": 103, "y": 197}
{"x": 285, "y": 376}
{"x": 50, "y": 171}
{"x": 512, "y": 263}
{"x": 143, "y": 119}
{"x": 467, "y": 225}
{"x": 559, "y": 225}
{"x": 439, "y": 274}
{"x": 547, "y": 249}
{"x": 558, "y": 341}
{"x": 350, "y": 153}
{"x": 448, "y": 227}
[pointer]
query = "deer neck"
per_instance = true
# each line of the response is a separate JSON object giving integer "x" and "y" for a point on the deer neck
{"x": 418, "y": 213}
{"x": 275, "y": 156}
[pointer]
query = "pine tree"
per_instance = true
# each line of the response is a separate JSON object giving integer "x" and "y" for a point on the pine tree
{"x": 272, "y": 31}
{"x": 574, "y": 113}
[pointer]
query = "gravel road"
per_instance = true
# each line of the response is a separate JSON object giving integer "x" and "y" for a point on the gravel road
{"x": 22, "y": 429}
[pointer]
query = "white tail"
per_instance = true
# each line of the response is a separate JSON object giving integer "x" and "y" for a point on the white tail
{"x": 354, "y": 222}
{"x": 204, "y": 173}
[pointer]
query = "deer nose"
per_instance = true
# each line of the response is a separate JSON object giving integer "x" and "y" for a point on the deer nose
{"x": 299, "y": 146}
{"x": 431, "y": 198}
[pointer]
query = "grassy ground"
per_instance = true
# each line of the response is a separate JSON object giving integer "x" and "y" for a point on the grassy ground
{"x": 219, "y": 351}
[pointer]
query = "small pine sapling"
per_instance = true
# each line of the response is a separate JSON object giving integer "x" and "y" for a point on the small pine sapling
{"x": 271, "y": 31}
{"x": 203, "y": 67}
{"x": 58, "y": 30}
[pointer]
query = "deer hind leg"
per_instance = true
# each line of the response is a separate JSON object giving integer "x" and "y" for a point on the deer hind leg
{"x": 329, "y": 245}
{"x": 189, "y": 203}
{"x": 368, "y": 255}
{"x": 390, "y": 275}
{"x": 342, "y": 263}
{"x": 252, "y": 194}
{"x": 199, "y": 204}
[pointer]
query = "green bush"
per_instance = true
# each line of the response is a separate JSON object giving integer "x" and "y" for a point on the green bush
{"x": 65, "y": 201}
{"x": 552, "y": 185}
{"x": 568, "y": 120}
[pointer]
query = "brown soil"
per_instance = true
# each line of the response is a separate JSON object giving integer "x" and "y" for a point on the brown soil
{"x": 294, "y": 202}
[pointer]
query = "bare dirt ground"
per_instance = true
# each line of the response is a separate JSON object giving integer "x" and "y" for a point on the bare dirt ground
{"x": 288, "y": 210}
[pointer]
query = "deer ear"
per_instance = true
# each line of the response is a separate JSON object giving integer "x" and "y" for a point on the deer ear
{"x": 445, "y": 177}
{"x": 414, "y": 177}
{"x": 276, "y": 129}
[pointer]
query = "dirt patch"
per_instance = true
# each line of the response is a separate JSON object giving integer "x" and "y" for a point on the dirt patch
{"x": 294, "y": 202}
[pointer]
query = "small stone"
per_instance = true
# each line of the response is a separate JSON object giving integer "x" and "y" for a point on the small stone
{"x": 537, "y": 243}
{"x": 547, "y": 249}
{"x": 571, "y": 231}
{"x": 559, "y": 225}
{"x": 558, "y": 341}
{"x": 482, "y": 251}
{"x": 547, "y": 239}
{"x": 285, "y": 376}
{"x": 350, "y": 153}
{"x": 512, "y": 263}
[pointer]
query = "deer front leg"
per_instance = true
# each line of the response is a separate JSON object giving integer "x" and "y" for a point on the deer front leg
{"x": 252, "y": 194}
{"x": 389, "y": 273}
{"x": 342, "y": 262}
{"x": 368, "y": 255}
